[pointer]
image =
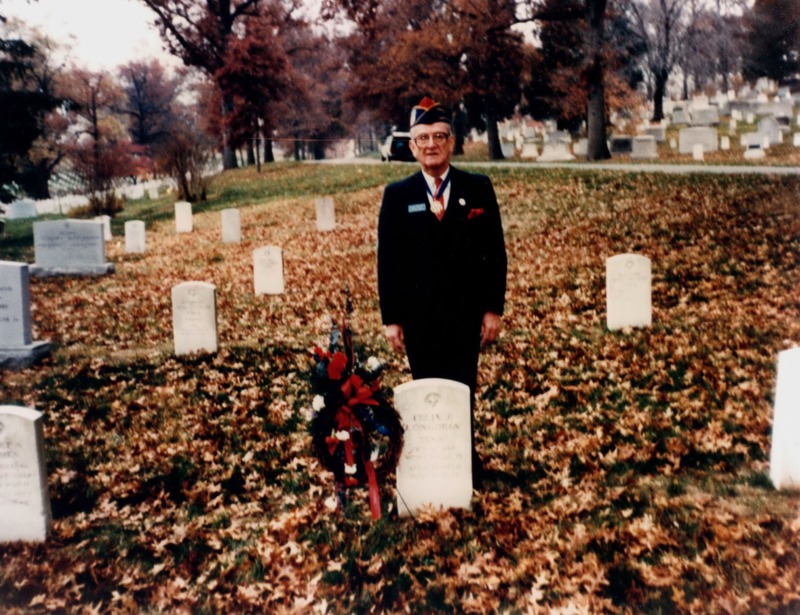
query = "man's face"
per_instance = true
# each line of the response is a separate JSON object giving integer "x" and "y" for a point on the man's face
{"x": 430, "y": 148}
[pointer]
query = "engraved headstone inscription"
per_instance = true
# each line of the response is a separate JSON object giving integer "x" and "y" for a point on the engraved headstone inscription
{"x": 268, "y": 270}
{"x": 435, "y": 467}
{"x": 194, "y": 317}
{"x": 24, "y": 499}
{"x": 784, "y": 466}
{"x": 628, "y": 291}
{"x": 17, "y": 348}
{"x": 69, "y": 247}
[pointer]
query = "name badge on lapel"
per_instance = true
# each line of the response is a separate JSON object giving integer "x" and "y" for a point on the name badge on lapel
{"x": 416, "y": 208}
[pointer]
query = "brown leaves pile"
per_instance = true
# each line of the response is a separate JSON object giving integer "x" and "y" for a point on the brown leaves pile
{"x": 627, "y": 471}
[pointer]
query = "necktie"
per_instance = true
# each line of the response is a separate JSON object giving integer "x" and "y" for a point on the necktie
{"x": 438, "y": 199}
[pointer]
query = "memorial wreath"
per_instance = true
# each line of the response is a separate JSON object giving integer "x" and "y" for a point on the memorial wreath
{"x": 356, "y": 432}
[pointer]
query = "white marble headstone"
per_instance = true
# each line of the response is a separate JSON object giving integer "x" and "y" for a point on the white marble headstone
{"x": 698, "y": 152}
{"x": 231, "y": 226}
{"x": 106, "y": 220}
{"x": 24, "y": 499}
{"x": 15, "y": 304}
{"x": 70, "y": 247}
{"x": 725, "y": 143}
{"x": 152, "y": 193}
{"x": 194, "y": 317}
{"x": 796, "y": 139}
{"x": 23, "y": 208}
{"x": 183, "y": 217}
{"x": 17, "y": 348}
{"x": 784, "y": 466}
{"x": 326, "y": 214}
{"x": 706, "y": 136}
{"x": 268, "y": 270}
{"x": 628, "y": 291}
{"x": 644, "y": 147}
{"x": 435, "y": 467}
{"x": 135, "y": 236}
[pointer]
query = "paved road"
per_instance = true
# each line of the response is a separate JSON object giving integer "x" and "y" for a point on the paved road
{"x": 605, "y": 166}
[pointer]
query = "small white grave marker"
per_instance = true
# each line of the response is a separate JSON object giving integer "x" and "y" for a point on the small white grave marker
{"x": 194, "y": 317}
{"x": 106, "y": 221}
{"x": 725, "y": 143}
{"x": 231, "y": 226}
{"x": 697, "y": 152}
{"x": 628, "y": 291}
{"x": 326, "y": 215}
{"x": 183, "y": 217}
{"x": 24, "y": 499}
{"x": 135, "y": 236}
{"x": 435, "y": 467}
{"x": 796, "y": 139}
{"x": 268, "y": 270}
{"x": 784, "y": 464}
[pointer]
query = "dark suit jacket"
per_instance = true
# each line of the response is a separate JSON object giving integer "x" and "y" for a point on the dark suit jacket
{"x": 437, "y": 278}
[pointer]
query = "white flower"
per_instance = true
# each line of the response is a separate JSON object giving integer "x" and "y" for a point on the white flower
{"x": 343, "y": 435}
{"x": 349, "y": 469}
{"x": 373, "y": 364}
{"x": 318, "y": 403}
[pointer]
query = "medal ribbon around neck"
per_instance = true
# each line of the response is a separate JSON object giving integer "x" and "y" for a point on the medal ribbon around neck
{"x": 440, "y": 192}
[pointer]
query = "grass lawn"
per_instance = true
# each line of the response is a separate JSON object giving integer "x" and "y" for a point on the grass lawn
{"x": 628, "y": 470}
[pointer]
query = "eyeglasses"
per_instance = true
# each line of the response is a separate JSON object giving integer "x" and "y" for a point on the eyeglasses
{"x": 436, "y": 137}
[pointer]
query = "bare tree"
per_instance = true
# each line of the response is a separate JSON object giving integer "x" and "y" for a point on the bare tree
{"x": 660, "y": 27}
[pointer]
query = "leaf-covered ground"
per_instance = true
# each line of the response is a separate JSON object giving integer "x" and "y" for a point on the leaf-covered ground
{"x": 628, "y": 471}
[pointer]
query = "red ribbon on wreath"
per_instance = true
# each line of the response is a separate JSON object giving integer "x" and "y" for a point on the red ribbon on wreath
{"x": 347, "y": 422}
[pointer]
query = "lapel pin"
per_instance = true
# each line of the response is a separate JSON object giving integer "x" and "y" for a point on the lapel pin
{"x": 462, "y": 202}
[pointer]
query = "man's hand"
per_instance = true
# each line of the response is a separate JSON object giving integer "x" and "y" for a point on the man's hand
{"x": 394, "y": 335}
{"x": 490, "y": 328}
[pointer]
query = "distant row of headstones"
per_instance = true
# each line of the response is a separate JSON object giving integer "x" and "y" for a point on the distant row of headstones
{"x": 696, "y": 140}
{"x": 78, "y": 247}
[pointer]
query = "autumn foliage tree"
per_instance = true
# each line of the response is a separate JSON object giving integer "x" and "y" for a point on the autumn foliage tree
{"x": 100, "y": 150}
{"x": 456, "y": 52}
{"x": 206, "y": 36}
{"x": 149, "y": 102}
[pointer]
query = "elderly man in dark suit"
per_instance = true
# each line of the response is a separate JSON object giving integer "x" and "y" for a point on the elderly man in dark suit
{"x": 441, "y": 257}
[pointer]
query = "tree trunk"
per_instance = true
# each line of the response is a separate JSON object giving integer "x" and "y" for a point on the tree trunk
{"x": 658, "y": 95}
{"x": 597, "y": 147}
{"x": 269, "y": 155}
{"x": 228, "y": 152}
{"x": 495, "y": 149}
{"x": 460, "y": 131}
{"x": 319, "y": 149}
{"x": 251, "y": 152}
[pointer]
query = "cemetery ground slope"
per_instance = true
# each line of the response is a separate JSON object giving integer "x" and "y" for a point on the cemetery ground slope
{"x": 628, "y": 471}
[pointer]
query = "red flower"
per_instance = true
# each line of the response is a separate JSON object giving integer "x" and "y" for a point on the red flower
{"x": 474, "y": 213}
{"x": 337, "y": 366}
